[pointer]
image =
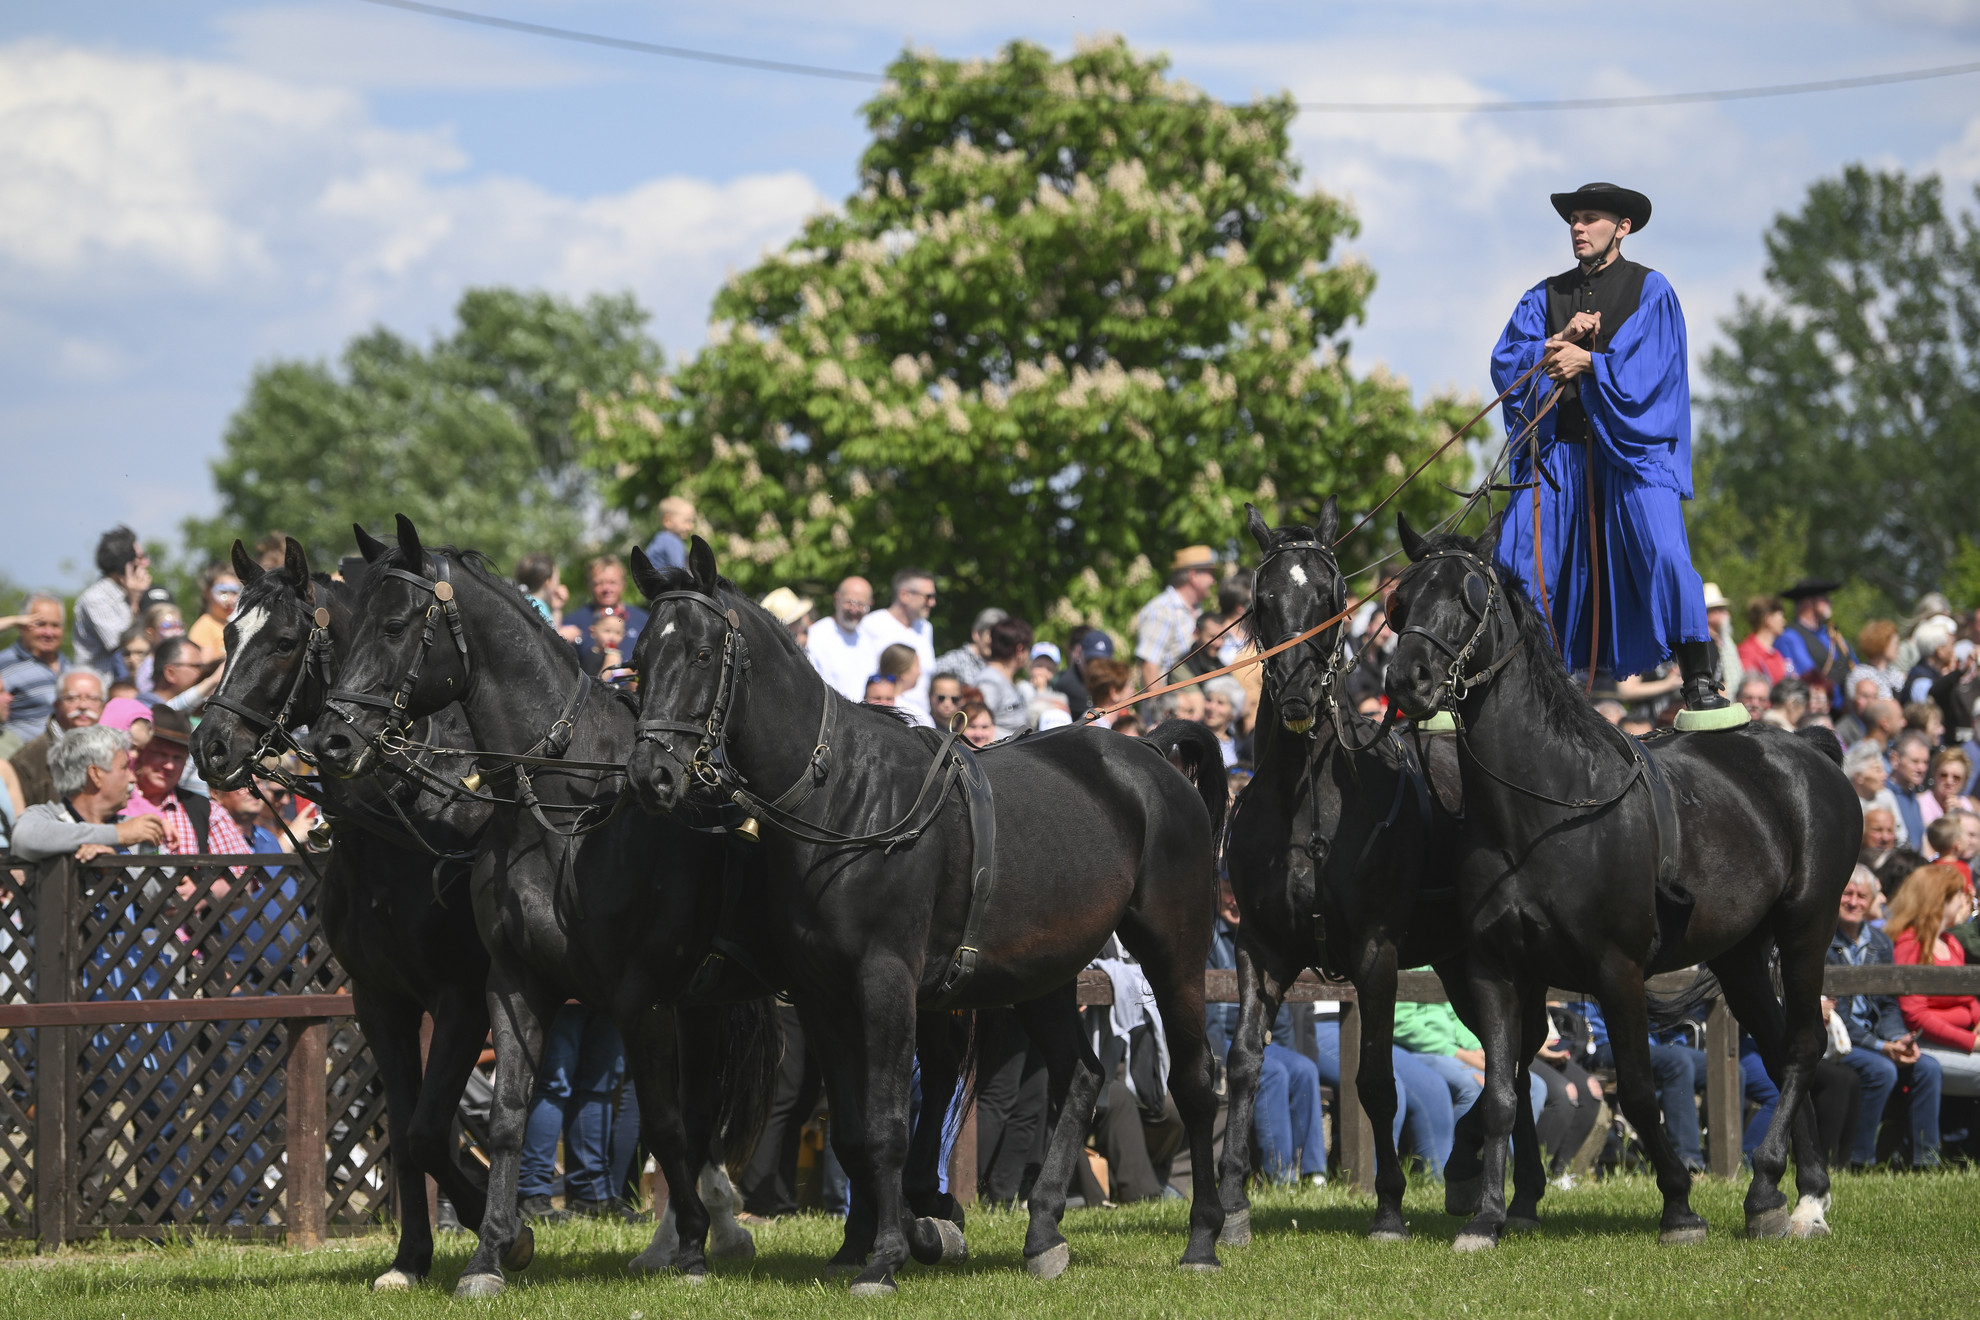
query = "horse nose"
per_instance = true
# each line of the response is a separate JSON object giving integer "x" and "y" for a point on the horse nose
{"x": 336, "y": 747}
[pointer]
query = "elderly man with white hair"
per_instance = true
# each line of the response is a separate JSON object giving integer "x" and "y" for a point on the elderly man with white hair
{"x": 1223, "y": 707}
{"x": 1865, "y": 767}
{"x": 91, "y": 768}
{"x": 1934, "y": 640}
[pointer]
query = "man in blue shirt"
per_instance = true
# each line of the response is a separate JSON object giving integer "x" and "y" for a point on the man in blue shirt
{"x": 608, "y": 589}
{"x": 1881, "y": 1050}
{"x": 1679, "y": 1070}
{"x": 33, "y": 666}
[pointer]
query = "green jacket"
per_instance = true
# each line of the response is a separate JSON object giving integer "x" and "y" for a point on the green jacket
{"x": 1432, "y": 1029}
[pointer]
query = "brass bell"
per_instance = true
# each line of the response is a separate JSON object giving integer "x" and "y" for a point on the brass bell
{"x": 472, "y": 782}
{"x": 319, "y": 836}
{"x": 749, "y": 830}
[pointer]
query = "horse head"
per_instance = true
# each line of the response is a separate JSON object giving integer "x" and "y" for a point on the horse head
{"x": 1453, "y": 621}
{"x": 269, "y": 641}
{"x": 406, "y": 656}
{"x": 687, "y": 658}
{"x": 1298, "y": 586}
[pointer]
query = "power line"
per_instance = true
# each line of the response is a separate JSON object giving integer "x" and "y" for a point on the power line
{"x": 1311, "y": 107}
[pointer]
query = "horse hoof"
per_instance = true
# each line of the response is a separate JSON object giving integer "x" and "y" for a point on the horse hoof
{"x": 880, "y": 1288}
{"x": 694, "y": 1278}
{"x": 395, "y": 1281}
{"x": 1388, "y": 1235}
{"x": 1474, "y": 1242}
{"x": 1768, "y": 1223}
{"x": 1049, "y": 1263}
{"x": 1688, "y": 1236}
{"x": 1463, "y": 1195}
{"x": 1237, "y": 1229}
{"x": 1202, "y": 1266}
{"x": 740, "y": 1245}
{"x": 480, "y": 1286}
{"x": 1522, "y": 1224}
{"x": 522, "y": 1251}
{"x": 1809, "y": 1219}
{"x": 654, "y": 1260}
{"x": 955, "y": 1248}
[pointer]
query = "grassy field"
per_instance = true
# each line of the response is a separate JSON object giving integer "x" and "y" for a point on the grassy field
{"x": 1903, "y": 1246}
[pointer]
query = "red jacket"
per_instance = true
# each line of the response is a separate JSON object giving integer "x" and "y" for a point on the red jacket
{"x": 1769, "y": 662}
{"x": 1947, "y": 1021}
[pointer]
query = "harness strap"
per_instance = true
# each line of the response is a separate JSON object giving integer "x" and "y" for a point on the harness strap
{"x": 982, "y": 877}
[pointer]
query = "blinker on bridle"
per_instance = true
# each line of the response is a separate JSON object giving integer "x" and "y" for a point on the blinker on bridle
{"x": 397, "y": 708}
{"x": 1480, "y": 593}
{"x": 315, "y": 661}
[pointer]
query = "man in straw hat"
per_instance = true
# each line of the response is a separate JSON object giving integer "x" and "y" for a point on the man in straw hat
{"x": 1602, "y": 550}
{"x": 1166, "y": 626}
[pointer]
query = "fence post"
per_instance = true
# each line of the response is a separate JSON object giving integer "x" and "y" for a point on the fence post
{"x": 307, "y": 1109}
{"x": 1357, "y": 1137}
{"x": 1725, "y": 1090}
{"x": 55, "y": 884}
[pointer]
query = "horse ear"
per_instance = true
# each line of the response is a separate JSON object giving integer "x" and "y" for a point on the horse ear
{"x": 1488, "y": 540}
{"x": 409, "y": 547}
{"x": 1412, "y": 544}
{"x": 645, "y": 575}
{"x": 245, "y": 568}
{"x": 701, "y": 561}
{"x": 370, "y": 546}
{"x": 296, "y": 564}
{"x": 1329, "y": 521}
{"x": 1254, "y": 523}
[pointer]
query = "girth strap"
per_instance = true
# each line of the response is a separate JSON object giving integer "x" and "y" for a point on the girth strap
{"x": 1673, "y": 901}
{"x": 982, "y": 877}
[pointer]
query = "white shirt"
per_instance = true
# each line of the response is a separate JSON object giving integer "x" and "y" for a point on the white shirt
{"x": 844, "y": 659}
{"x": 882, "y": 630}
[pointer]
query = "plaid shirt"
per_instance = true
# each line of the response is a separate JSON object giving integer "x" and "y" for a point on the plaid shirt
{"x": 222, "y": 834}
{"x": 1164, "y": 630}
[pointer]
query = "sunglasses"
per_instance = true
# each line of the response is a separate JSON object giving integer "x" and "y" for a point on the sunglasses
{"x": 227, "y": 591}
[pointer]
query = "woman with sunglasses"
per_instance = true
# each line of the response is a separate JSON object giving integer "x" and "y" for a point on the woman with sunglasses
{"x": 219, "y": 593}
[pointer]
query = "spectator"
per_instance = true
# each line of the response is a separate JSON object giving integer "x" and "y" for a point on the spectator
{"x": 1128, "y": 724}
{"x": 1877, "y": 645}
{"x": 1880, "y": 834}
{"x": 1010, "y": 647}
{"x": 1440, "y": 1042}
{"x": 1083, "y": 646}
{"x": 1718, "y": 621}
{"x": 1789, "y": 702}
{"x": 1865, "y": 768}
{"x": 536, "y": 574}
{"x": 1755, "y": 693}
{"x": 899, "y": 663}
{"x": 182, "y": 677}
{"x": 1911, "y": 765}
{"x": 1928, "y": 719}
{"x": 1202, "y": 657}
{"x": 1679, "y": 1070}
{"x": 583, "y": 1063}
{"x": 608, "y": 591}
{"x": 155, "y": 623}
{"x": 219, "y": 593}
{"x": 841, "y": 652}
{"x": 1934, "y": 640}
{"x": 1223, "y": 705}
{"x": 272, "y": 550}
{"x": 107, "y": 606}
{"x": 1952, "y": 771}
{"x": 1044, "y": 665}
{"x": 1187, "y": 705}
{"x": 979, "y": 726}
{"x": 605, "y": 657}
{"x": 13, "y": 801}
{"x": 945, "y": 698}
{"x": 1883, "y": 721}
{"x": 905, "y": 620}
{"x": 791, "y": 610}
{"x": 1233, "y": 611}
{"x": 967, "y": 660}
{"x": 78, "y": 704}
{"x": 191, "y": 824}
{"x": 1757, "y": 654}
{"x": 1935, "y": 899}
{"x": 10, "y": 741}
{"x": 92, "y": 776}
{"x": 1881, "y": 1053}
{"x": 1834, "y": 1091}
{"x": 1864, "y": 693}
{"x": 31, "y": 668}
{"x": 1813, "y": 648}
{"x": 881, "y": 689}
{"x": 1574, "y": 1096}
{"x": 1611, "y": 710}
{"x": 1165, "y": 625}
{"x": 668, "y": 548}
{"x": 1107, "y": 681}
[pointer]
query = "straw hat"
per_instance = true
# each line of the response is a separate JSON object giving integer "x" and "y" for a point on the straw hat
{"x": 786, "y": 606}
{"x": 1194, "y": 556}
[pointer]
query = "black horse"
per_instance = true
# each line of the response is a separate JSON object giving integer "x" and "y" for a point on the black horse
{"x": 394, "y": 891}
{"x": 574, "y": 898}
{"x": 1592, "y": 860}
{"x": 890, "y": 895}
{"x": 1342, "y": 853}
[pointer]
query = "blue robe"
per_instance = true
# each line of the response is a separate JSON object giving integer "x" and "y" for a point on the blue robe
{"x": 1637, "y": 397}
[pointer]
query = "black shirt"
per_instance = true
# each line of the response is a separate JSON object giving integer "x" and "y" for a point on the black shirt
{"x": 1615, "y": 291}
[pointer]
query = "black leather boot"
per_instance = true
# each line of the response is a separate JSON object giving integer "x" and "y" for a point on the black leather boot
{"x": 1705, "y": 706}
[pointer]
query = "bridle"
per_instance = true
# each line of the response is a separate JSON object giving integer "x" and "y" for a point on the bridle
{"x": 398, "y": 715}
{"x": 1484, "y": 598}
{"x": 274, "y": 730}
{"x": 706, "y": 768}
{"x": 1330, "y": 668}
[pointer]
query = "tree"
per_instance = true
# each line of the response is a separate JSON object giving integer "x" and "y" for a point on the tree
{"x": 1076, "y": 315}
{"x": 1844, "y": 405}
{"x": 471, "y": 438}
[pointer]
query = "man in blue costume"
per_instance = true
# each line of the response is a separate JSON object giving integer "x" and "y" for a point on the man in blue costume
{"x": 1614, "y": 450}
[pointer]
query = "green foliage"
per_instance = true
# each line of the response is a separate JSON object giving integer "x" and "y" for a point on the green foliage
{"x": 470, "y": 438}
{"x": 1076, "y": 316}
{"x": 1850, "y": 395}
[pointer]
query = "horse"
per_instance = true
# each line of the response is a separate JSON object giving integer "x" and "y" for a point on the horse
{"x": 1592, "y": 860}
{"x": 1339, "y": 853}
{"x": 890, "y": 895}
{"x": 573, "y": 897}
{"x": 393, "y": 891}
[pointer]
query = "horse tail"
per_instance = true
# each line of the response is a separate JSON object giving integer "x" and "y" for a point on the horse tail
{"x": 1824, "y": 741}
{"x": 1671, "y": 1009}
{"x": 1195, "y": 751}
{"x": 752, "y": 1036}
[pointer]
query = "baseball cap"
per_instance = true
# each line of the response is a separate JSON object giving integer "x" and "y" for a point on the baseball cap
{"x": 1096, "y": 645}
{"x": 1047, "y": 649}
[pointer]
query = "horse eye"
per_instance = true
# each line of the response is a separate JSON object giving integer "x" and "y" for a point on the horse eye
{"x": 284, "y": 645}
{"x": 701, "y": 656}
{"x": 395, "y": 627}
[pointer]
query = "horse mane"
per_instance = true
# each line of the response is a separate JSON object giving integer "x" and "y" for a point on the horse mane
{"x": 1564, "y": 705}
{"x": 477, "y": 566}
{"x": 674, "y": 578}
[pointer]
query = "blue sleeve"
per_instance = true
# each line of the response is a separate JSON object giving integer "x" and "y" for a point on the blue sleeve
{"x": 1519, "y": 348}
{"x": 1638, "y": 394}
{"x": 1790, "y": 648}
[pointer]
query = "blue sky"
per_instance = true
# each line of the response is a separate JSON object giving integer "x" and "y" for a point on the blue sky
{"x": 189, "y": 190}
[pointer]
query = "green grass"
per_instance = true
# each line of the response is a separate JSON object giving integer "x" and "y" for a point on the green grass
{"x": 1903, "y": 1246}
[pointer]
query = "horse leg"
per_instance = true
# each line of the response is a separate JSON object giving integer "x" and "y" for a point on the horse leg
{"x": 1628, "y": 1017}
{"x": 704, "y": 1049}
{"x": 1073, "y": 1080}
{"x": 839, "y": 1071}
{"x": 519, "y": 1010}
{"x": 1804, "y": 943}
{"x": 885, "y": 1023}
{"x": 1259, "y": 992}
{"x": 1375, "y": 992}
{"x": 934, "y": 1209}
{"x": 1172, "y": 957}
{"x": 1497, "y": 1001}
{"x": 391, "y": 1031}
{"x": 1529, "y": 1170}
{"x": 1464, "y": 1171}
{"x": 654, "y": 1047}
{"x": 460, "y": 1025}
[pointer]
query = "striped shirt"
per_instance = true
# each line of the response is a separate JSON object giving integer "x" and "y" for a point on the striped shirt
{"x": 1164, "y": 630}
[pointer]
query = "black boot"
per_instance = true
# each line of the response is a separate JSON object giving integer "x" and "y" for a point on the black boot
{"x": 1705, "y": 707}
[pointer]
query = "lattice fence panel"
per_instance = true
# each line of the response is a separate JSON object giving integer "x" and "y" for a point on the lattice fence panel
{"x": 17, "y": 1052}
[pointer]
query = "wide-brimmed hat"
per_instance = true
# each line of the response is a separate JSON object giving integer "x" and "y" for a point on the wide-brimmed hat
{"x": 1807, "y": 587}
{"x": 786, "y": 606}
{"x": 172, "y": 726}
{"x": 1193, "y": 556}
{"x": 1631, "y": 205}
{"x": 1714, "y": 598}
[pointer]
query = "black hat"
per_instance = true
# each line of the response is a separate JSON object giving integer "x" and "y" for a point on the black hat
{"x": 1631, "y": 205}
{"x": 1811, "y": 587}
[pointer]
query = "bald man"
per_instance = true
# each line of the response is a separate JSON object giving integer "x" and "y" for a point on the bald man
{"x": 843, "y": 655}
